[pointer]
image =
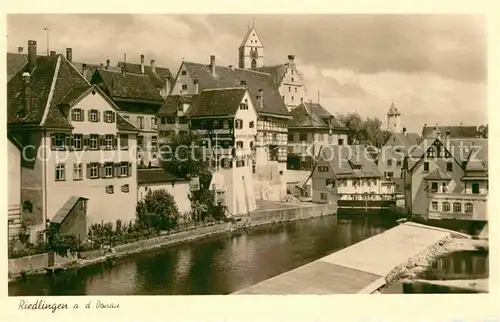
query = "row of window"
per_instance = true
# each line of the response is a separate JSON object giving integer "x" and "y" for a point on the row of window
{"x": 110, "y": 189}
{"x": 302, "y": 137}
{"x": 293, "y": 98}
{"x": 140, "y": 121}
{"x": 457, "y": 207}
{"x": 64, "y": 141}
{"x": 94, "y": 170}
{"x": 173, "y": 120}
{"x": 449, "y": 166}
{"x": 78, "y": 115}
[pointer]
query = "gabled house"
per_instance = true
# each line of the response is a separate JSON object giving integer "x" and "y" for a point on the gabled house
{"x": 347, "y": 175}
{"x": 392, "y": 154}
{"x": 311, "y": 127}
{"x": 75, "y": 142}
{"x": 171, "y": 118}
{"x": 272, "y": 115}
{"x": 437, "y": 179}
{"x": 453, "y": 132}
{"x": 226, "y": 119}
{"x": 138, "y": 100}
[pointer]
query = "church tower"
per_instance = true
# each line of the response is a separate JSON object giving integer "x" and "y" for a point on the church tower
{"x": 251, "y": 51}
{"x": 394, "y": 120}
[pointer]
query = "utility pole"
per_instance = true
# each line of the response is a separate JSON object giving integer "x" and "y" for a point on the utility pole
{"x": 47, "y": 29}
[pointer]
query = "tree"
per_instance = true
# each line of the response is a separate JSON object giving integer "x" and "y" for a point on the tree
{"x": 367, "y": 132}
{"x": 157, "y": 210}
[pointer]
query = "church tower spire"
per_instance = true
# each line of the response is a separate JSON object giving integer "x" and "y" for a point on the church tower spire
{"x": 251, "y": 50}
{"x": 394, "y": 120}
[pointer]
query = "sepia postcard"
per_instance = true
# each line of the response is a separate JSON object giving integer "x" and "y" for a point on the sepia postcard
{"x": 252, "y": 154}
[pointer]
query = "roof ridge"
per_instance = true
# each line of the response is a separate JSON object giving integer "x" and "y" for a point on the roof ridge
{"x": 51, "y": 92}
{"x": 231, "y": 68}
{"x": 222, "y": 89}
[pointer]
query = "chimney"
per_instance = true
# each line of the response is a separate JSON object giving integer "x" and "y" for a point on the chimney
{"x": 260, "y": 97}
{"x": 52, "y": 53}
{"x": 69, "y": 54}
{"x": 196, "y": 87}
{"x": 404, "y": 131}
{"x": 27, "y": 92}
{"x": 153, "y": 65}
{"x": 167, "y": 85}
{"x": 212, "y": 64}
{"x": 107, "y": 63}
{"x": 291, "y": 58}
{"x": 31, "y": 56}
{"x": 20, "y": 50}
{"x": 142, "y": 64}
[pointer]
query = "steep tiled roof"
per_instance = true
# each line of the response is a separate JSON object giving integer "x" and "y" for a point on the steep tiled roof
{"x": 408, "y": 142}
{"x": 459, "y": 132}
{"x": 156, "y": 175}
{"x": 89, "y": 70}
{"x": 342, "y": 158}
{"x": 312, "y": 115}
{"x": 51, "y": 81}
{"x": 157, "y": 76}
{"x": 226, "y": 77}
{"x": 478, "y": 156}
{"x": 437, "y": 174}
{"x": 277, "y": 72}
{"x": 217, "y": 102}
{"x": 171, "y": 102}
{"x": 126, "y": 86}
{"x": 15, "y": 62}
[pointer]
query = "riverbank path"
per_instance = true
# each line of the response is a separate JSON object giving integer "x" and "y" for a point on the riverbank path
{"x": 360, "y": 268}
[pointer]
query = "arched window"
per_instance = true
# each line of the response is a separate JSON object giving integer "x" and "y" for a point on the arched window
{"x": 254, "y": 63}
{"x": 457, "y": 207}
{"x": 239, "y": 144}
{"x": 445, "y": 206}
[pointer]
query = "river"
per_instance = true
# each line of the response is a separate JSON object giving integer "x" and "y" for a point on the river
{"x": 215, "y": 265}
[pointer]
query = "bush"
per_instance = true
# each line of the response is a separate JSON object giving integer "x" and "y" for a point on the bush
{"x": 157, "y": 210}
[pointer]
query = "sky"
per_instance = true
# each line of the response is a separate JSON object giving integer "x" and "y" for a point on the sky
{"x": 434, "y": 67}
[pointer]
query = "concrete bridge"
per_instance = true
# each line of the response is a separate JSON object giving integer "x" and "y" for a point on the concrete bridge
{"x": 360, "y": 268}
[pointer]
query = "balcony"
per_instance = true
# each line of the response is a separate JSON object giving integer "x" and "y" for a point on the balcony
{"x": 460, "y": 206}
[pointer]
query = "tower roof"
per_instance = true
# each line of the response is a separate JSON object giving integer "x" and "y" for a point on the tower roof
{"x": 393, "y": 110}
{"x": 251, "y": 39}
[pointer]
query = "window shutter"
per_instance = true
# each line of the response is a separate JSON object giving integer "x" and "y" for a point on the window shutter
{"x": 82, "y": 113}
{"x": 72, "y": 142}
{"x": 67, "y": 140}
{"x": 102, "y": 142}
{"x": 130, "y": 169}
{"x": 89, "y": 113}
{"x": 101, "y": 170}
{"x": 116, "y": 170}
{"x": 98, "y": 115}
{"x": 113, "y": 117}
{"x": 115, "y": 142}
{"x": 85, "y": 142}
{"x": 88, "y": 170}
{"x": 52, "y": 141}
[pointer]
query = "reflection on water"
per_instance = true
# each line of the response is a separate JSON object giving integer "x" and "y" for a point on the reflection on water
{"x": 459, "y": 265}
{"x": 453, "y": 266}
{"x": 216, "y": 265}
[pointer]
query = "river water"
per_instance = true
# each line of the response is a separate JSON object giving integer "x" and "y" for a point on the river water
{"x": 215, "y": 265}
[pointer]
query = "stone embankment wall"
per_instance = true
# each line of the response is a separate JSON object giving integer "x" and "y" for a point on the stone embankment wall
{"x": 36, "y": 264}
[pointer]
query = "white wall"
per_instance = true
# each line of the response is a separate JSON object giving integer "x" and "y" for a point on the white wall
{"x": 14, "y": 176}
{"x": 101, "y": 205}
{"x": 179, "y": 190}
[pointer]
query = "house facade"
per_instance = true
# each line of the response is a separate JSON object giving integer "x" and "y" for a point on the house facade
{"x": 269, "y": 161}
{"x": 138, "y": 100}
{"x": 392, "y": 154}
{"x": 14, "y": 150}
{"x": 75, "y": 143}
{"x": 447, "y": 179}
{"x": 226, "y": 119}
{"x": 157, "y": 179}
{"x": 347, "y": 175}
{"x": 171, "y": 117}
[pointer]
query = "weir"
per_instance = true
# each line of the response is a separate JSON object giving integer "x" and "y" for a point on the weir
{"x": 360, "y": 268}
